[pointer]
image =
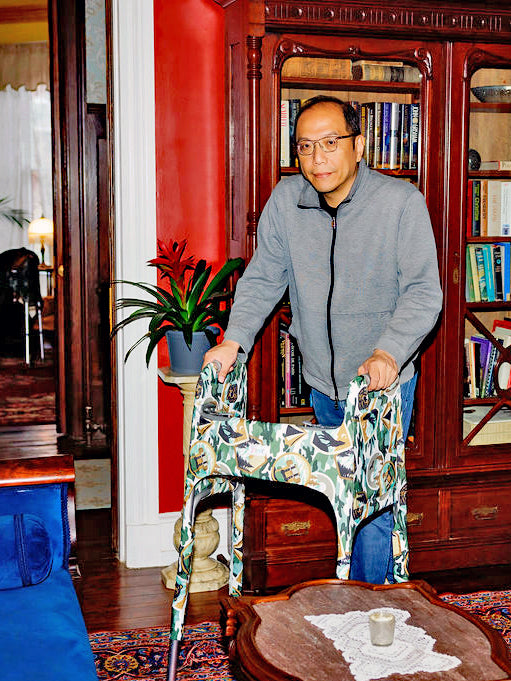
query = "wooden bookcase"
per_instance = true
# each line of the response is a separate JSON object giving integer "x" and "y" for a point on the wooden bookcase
{"x": 459, "y": 498}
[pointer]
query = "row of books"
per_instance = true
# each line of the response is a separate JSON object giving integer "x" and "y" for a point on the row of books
{"x": 391, "y": 130}
{"x": 488, "y": 208}
{"x": 294, "y": 392}
{"x": 345, "y": 69}
{"x": 481, "y": 357}
{"x": 488, "y": 272}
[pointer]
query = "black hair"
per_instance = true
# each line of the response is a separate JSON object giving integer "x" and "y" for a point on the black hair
{"x": 350, "y": 114}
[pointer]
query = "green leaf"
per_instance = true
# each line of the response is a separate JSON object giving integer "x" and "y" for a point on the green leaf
{"x": 153, "y": 342}
{"x": 222, "y": 275}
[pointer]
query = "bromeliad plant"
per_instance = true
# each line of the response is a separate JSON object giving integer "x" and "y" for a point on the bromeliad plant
{"x": 191, "y": 305}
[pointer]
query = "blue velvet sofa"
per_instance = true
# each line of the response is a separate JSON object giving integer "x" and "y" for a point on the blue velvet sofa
{"x": 42, "y": 632}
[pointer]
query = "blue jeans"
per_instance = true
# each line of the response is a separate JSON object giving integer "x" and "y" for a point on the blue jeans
{"x": 371, "y": 557}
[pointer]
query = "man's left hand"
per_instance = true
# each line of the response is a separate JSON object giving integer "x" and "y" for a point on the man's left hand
{"x": 381, "y": 368}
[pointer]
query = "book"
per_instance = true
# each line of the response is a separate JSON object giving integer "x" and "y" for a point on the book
{"x": 488, "y": 272}
{"x": 497, "y": 271}
{"x": 386, "y": 108}
{"x": 414, "y": 135}
{"x": 377, "y": 135}
{"x": 494, "y": 208}
{"x": 405, "y": 136}
{"x": 495, "y": 165}
{"x": 369, "y": 135}
{"x": 468, "y": 219}
{"x": 481, "y": 273}
{"x": 395, "y": 135}
{"x": 505, "y": 250}
{"x": 484, "y": 208}
{"x": 394, "y": 74}
{"x": 475, "y": 274}
{"x": 476, "y": 207}
{"x": 317, "y": 67}
{"x": 505, "y": 208}
{"x": 469, "y": 281}
{"x": 294, "y": 108}
{"x": 285, "y": 152}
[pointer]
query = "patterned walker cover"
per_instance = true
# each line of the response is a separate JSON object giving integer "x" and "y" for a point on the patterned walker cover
{"x": 359, "y": 466}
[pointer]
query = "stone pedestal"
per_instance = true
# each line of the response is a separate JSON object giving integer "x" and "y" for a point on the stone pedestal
{"x": 207, "y": 573}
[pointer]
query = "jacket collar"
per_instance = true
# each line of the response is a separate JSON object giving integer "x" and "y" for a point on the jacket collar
{"x": 309, "y": 197}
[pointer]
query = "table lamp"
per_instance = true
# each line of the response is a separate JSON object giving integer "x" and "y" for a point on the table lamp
{"x": 40, "y": 228}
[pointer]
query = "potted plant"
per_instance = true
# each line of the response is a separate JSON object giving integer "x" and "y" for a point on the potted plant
{"x": 187, "y": 313}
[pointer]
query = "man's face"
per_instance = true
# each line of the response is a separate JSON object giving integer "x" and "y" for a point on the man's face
{"x": 330, "y": 173}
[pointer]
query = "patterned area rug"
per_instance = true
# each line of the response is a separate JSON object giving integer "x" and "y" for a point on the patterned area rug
{"x": 141, "y": 655}
{"x": 493, "y": 607}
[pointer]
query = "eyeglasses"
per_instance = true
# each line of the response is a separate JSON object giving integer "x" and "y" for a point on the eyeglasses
{"x": 327, "y": 144}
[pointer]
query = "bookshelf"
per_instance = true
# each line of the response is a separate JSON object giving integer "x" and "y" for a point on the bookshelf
{"x": 453, "y": 479}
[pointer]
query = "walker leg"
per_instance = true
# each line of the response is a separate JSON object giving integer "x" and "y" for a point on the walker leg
{"x": 172, "y": 667}
{"x": 41, "y": 341}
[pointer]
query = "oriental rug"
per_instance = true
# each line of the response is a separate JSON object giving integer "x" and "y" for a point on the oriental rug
{"x": 141, "y": 654}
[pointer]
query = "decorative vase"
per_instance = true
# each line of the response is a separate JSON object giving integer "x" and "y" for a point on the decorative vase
{"x": 185, "y": 360}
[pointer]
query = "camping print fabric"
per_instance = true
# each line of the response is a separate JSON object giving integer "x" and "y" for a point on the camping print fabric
{"x": 359, "y": 466}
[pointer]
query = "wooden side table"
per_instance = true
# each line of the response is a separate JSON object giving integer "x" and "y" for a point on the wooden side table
{"x": 270, "y": 640}
{"x": 207, "y": 573}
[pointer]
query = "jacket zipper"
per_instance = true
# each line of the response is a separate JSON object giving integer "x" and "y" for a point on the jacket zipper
{"x": 329, "y": 313}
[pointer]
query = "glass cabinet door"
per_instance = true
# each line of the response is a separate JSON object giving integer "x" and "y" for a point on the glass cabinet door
{"x": 486, "y": 414}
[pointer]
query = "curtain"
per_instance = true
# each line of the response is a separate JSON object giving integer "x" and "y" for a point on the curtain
{"x": 25, "y": 64}
{"x": 26, "y": 166}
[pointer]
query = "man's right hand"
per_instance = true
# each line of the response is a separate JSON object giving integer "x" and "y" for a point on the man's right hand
{"x": 226, "y": 353}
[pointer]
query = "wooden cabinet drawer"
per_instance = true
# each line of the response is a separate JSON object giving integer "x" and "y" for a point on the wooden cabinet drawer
{"x": 480, "y": 512}
{"x": 423, "y": 514}
{"x": 287, "y": 522}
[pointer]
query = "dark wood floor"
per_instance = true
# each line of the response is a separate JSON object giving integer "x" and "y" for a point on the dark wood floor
{"x": 116, "y": 598}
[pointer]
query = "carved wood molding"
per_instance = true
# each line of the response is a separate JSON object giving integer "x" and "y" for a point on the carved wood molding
{"x": 290, "y": 48}
{"x": 477, "y": 58}
{"x": 424, "y": 20}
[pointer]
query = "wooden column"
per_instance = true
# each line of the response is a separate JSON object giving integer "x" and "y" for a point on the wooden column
{"x": 254, "y": 75}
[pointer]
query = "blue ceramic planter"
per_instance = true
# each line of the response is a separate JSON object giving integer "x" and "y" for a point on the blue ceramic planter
{"x": 184, "y": 360}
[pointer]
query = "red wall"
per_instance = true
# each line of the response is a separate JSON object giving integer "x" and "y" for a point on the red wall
{"x": 190, "y": 167}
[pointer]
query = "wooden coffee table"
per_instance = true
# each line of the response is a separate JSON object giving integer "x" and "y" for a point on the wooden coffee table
{"x": 269, "y": 639}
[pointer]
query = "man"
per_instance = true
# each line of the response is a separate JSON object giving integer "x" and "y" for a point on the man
{"x": 357, "y": 252}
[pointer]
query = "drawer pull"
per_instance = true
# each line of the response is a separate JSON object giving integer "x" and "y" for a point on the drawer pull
{"x": 414, "y": 518}
{"x": 296, "y": 527}
{"x": 485, "y": 512}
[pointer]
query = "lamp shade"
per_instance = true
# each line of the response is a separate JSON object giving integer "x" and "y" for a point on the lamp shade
{"x": 40, "y": 228}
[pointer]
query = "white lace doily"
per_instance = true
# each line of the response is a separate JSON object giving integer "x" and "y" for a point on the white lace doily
{"x": 411, "y": 651}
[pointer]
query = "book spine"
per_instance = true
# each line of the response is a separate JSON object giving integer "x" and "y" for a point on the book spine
{"x": 495, "y": 165}
{"x": 488, "y": 272}
{"x": 494, "y": 202}
{"x": 294, "y": 108}
{"x": 282, "y": 366}
{"x": 475, "y": 273}
{"x": 505, "y": 249}
{"x": 481, "y": 274}
{"x": 369, "y": 147}
{"x": 395, "y": 135}
{"x": 405, "y": 135}
{"x": 396, "y": 74}
{"x": 377, "y": 135}
{"x": 316, "y": 67}
{"x": 497, "y": 271}
{"x": 468, "y": 221}
{"x": 505, "y": 208}
{"x": 414, "y": 135}
{"x": 385, "y": 134}
{"x": 484, "y": 207}
{"x": 469, "y": 282}
{"x": 476, "y": 208}
{"x": 285, "y": 158}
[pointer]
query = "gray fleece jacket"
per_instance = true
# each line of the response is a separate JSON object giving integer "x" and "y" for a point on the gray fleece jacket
{"x": 386, "y": 291}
